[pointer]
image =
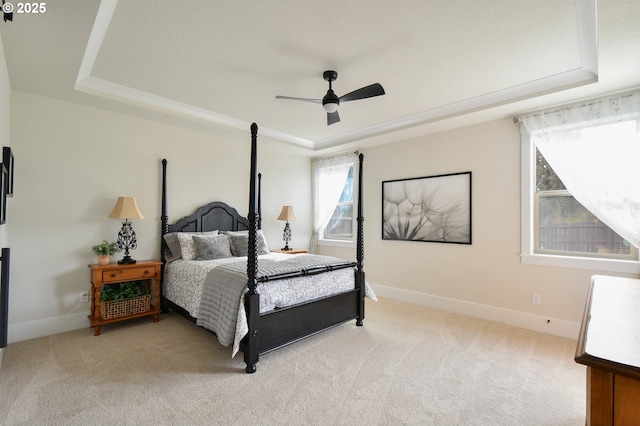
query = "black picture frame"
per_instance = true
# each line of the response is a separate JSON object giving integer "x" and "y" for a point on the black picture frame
{"x": 5, "y": 261}
{"x": 3, "y": 197}
{"x": 8, "y": 161}
{"x": 428, "y": 209}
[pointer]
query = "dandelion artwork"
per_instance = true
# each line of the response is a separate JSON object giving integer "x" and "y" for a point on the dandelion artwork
{"x": 432, "y": 209}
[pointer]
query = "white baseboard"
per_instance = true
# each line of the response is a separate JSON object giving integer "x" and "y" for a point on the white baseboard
{"x": 46, "y": 327}
{"x": 557, "y": 327}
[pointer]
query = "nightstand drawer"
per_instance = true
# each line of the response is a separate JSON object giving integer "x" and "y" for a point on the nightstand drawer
{"x": 128, "y": 274}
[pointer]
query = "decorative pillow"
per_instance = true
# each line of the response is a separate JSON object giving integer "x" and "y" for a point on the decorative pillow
{"x": 173, "y": 247}
{"x": 187, "y": 248}
{"x": 213, "y": 247}
{"x": 240, "y": 243}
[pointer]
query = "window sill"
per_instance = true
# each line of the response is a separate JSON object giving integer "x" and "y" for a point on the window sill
{"x": 605, "y": 265}
{"x": 337, "y": 243}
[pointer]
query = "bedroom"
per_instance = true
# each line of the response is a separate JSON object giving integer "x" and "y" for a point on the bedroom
{"x": 73, "y": 159}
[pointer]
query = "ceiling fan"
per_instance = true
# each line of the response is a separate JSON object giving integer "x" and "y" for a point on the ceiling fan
{"x": 330, "y": 102}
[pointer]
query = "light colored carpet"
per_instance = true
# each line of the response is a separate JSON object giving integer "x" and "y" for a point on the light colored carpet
{"x": 408, "y": 365}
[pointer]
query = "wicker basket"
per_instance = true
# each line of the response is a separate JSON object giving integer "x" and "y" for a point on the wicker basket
{"x": 123, "y": 308}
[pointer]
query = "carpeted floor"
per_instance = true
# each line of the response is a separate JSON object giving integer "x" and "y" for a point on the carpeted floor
{"x": 408, "y": 365}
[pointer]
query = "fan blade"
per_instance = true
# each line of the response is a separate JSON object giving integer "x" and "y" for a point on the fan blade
{"x": 365, "y": 92}
{"x": 317, "y": 101}
{"x": 332, "y": 118}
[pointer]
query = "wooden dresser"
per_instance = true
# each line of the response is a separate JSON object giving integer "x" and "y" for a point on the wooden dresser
{"x": 609, "y": 345}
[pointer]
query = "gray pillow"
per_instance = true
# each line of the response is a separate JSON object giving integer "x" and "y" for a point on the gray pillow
{"x": 175, "y": 245}
{"x": 213, "y": 247}
{"x": 240, "y": 243}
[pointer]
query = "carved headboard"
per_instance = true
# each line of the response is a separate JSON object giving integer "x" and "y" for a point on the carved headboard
{"x": 215, "y": 215}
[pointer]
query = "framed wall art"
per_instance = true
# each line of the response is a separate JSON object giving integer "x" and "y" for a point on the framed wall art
{"x": 7, "y": 160}
{"x": 430, "y": 209}
{"x": 3, "y": 196}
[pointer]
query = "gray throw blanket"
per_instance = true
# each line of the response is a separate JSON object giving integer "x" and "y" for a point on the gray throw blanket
{"x": 225, "y": 284}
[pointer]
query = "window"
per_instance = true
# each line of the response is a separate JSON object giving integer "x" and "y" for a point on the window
{"x": 565, "y": 227}
{"x": 334, "y": 180}
{"x": 340, "y": 226}
{"x": 580, "y": 185}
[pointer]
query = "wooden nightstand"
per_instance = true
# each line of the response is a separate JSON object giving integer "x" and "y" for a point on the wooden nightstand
{"x": 115, "y": 273}
{"x": 292, "y": 251}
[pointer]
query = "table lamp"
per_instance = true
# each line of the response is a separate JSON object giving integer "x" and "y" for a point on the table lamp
{"x": 287, "y": 214}
{"x": 126, "y": 208}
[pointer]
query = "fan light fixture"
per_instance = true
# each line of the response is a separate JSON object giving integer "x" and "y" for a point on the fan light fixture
{"x": 330, "y": 102}
{"x": 330, "y": 107}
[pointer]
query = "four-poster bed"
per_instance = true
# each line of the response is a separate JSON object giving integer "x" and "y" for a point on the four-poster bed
{"x": 261, "y": 325}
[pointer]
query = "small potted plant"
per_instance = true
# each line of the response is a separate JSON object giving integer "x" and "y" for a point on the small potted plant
{"x": 104, "y": 251}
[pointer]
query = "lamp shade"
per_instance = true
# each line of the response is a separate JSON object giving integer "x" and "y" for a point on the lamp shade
{"x": 126, "y": 208}
{"x": 287, "y": 214}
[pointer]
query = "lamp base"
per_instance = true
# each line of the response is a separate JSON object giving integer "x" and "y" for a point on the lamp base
{"x": 286, "y": 248}
{"x": 286, "y": 236}
{"x": 126, "y": 240}
{"x": 126, "y": 261}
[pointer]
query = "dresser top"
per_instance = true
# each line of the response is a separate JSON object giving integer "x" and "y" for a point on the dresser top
{"x": 610, "y": 335}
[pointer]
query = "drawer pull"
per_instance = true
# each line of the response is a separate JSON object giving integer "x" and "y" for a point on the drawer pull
{"x": 113, "y": 275}
{"x": 146, "y": 272}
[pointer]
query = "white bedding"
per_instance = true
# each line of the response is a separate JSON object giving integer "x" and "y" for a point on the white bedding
{"x": 184, "y": 280}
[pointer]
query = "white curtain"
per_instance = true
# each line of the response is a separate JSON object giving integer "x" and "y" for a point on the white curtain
{"x": 594, "y": 149}
{"x": 329, "y": 177}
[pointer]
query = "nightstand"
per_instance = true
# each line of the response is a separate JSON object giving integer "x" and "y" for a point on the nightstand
{"x": 292, "y": 251}
{"x": 114, "y": 273}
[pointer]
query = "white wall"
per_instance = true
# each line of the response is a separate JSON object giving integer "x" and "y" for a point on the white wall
{"x": 5, "y": 140}
{"x": 485, "y": 279}
{"x": 5, "y": 101}
{"x": 73, "y": 161}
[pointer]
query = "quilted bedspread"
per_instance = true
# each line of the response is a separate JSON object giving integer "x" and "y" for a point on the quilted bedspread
{"x": 221, "y": 307}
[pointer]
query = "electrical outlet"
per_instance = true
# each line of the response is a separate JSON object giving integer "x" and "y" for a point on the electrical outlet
{"x": 84, "y": 297}
{"x": 536, "y": 299}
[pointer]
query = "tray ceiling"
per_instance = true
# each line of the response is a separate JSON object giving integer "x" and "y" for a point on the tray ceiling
{"x": 222, "y": 63}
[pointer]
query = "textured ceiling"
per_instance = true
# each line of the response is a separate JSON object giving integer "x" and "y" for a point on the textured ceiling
{"x": 222, "y": 63}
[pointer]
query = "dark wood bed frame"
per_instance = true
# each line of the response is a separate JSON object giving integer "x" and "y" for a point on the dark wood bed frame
{"x": 282, "y": 326}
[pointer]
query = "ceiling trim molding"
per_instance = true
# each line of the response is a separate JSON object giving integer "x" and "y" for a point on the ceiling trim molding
{"x": 586, "y": 14}
{"x": 551, "y": 84}
{"x": 131, "y": 96}
{"x": 106, "y": 89}
{"x": 99, "y": 30}
{"x": 586, "y": 17}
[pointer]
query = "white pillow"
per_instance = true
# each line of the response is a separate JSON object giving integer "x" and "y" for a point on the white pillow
{"x": 187, "y": 247}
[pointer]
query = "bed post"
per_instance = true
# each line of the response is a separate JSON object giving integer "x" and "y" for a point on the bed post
{"x": 252, "y": 298}
{"x": 360, "y": 247}
{"x": 164, "y": 224}
{"x": 259, "y": 200}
